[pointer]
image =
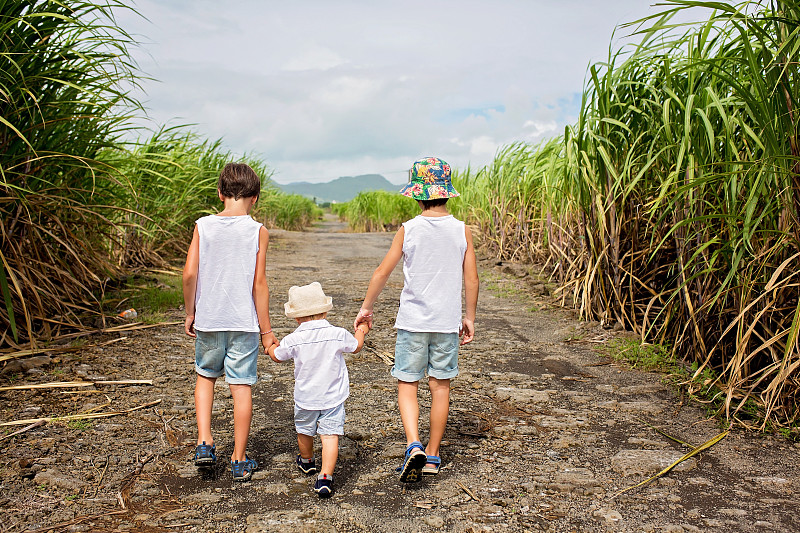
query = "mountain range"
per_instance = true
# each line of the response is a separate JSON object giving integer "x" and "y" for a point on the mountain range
{"x": 341, "y": 189}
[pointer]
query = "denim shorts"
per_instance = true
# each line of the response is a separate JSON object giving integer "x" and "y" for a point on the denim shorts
{"x": 418, "y": 352}
{"x": 233, "y": 353}
{"x": 323, "y": 421}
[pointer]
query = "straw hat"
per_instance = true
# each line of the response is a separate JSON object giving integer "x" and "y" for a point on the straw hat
{"x": 429, "y": 179}
{"x": 307, "y": 300}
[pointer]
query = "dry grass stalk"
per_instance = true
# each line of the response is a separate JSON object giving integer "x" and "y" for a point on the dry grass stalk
{"x": 670, "y": 437}
{"x": 124, "y": 494}
{"x": 469, "y": 492}
{"x": 23, "y": 430}
{"x": 80, "y": 416}
{"x": 54, "y": 385}
{"x": 76, "y": 521}
{"x": 688, "y": 455}
{"x": 102, "y": 476}
{"x": 62, "y": 349}
{"x": 70, "y": 384}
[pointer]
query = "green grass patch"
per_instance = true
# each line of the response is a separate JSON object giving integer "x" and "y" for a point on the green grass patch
{"x": 79, "y": 424}
{"x": 151, "y": 295}
{"x": 512, "y": 289}
{"x": 647, "y": 357}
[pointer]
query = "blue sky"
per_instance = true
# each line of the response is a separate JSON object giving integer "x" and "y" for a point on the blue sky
{"x": 327, "y": 88}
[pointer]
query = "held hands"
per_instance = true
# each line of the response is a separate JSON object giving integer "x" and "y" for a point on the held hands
{"x": 363, "y": 317}
{"x": 467, "y": 331}
{"x": 268, "y": 339}
{"x": 364, "y": 328}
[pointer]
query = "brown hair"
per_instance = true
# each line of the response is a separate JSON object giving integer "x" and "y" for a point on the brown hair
{"x": 427, "y": 204}
{"x": 238, "y": 180}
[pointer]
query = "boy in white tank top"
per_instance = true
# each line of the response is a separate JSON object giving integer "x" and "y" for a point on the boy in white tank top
{"x": 227, "y": 311}
{"x": 438, "y": 257}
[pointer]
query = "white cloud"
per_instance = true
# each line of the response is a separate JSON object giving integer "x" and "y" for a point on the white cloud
{"x": 314, "y": 57}
{"x": 539, "y": 129}
{"x": 322, "y": 89}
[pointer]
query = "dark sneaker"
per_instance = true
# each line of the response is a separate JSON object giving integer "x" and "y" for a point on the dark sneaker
{"x": 309, "y": 467}
{"x": 324, "y": 486}
{"x": 205, "y": 455}
{"x": 243, "y": 470}
{"x": 411, "y": 469}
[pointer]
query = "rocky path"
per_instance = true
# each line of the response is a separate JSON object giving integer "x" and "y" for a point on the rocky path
{"x": 543, "y": 431}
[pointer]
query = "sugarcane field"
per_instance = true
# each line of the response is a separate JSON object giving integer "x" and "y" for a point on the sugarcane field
{"x": 594, "y": 328}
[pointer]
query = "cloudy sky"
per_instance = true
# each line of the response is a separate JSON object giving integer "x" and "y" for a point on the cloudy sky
{"x": 327, "y": 88}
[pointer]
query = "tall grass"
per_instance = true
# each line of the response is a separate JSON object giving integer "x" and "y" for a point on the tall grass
{"x": 78, "y": 207}
{"x": 62, "y": 65}
{"x": 672, "y": 206}
{"x": 177, "y": 168}
{"x": 287, "y": 211}
{"x": 377, "y": 211}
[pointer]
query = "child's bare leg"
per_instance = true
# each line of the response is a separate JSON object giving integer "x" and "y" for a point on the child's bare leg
{"x": 330, "y": 452}
{"x": 203, "y": 403}
{"x": 409, "y": 409}
{"x": 305, "y": 444}
{"x": 440, "y": 407}
{"x": 242, "y": 416}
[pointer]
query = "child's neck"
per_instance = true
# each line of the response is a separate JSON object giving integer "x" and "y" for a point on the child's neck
{"x": 437, "y": 211}
{"x": 235, "y": 208}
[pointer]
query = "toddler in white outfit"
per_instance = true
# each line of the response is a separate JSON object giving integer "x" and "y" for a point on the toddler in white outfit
{"x": 321, "y": 381}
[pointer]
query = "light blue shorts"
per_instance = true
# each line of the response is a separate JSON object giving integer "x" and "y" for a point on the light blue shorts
{"x": 233, "y": 353}
{"x": 418, "y": 352}
{"x": 319, "y": 421}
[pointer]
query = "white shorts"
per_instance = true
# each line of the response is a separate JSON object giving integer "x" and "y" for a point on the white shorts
{"x": 319, "y": 421}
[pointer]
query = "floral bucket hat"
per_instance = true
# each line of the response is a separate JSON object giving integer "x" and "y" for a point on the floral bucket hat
{"x": 429, "y": 179}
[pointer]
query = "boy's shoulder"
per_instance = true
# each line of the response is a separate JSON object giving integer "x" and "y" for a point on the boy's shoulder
{"x": 338, "y": 331}
{"x": 423, "y": 225}
{"x": 303, "y": 335}
{"x": 228, "y": 220}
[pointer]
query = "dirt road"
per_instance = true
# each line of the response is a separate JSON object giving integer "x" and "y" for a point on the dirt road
{"x": 543, "y": 431}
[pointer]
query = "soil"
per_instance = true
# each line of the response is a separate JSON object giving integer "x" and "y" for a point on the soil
{"x": 544, "y": 430}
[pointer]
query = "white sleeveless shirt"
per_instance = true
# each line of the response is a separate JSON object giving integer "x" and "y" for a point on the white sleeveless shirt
{"x": 225, "y": 273}
{"x": 433, "y": 267}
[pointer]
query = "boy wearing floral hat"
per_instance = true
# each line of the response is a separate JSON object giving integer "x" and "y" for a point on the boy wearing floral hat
{"x": 321, "y": 382}
{"x": 438, "y": 257}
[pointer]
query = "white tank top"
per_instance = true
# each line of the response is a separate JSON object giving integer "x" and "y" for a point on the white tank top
{"x": 433, "y": 266}
{"x": 227, "y": 267}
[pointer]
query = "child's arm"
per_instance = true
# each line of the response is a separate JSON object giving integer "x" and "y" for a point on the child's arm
{"x": 360, "y": 333}
{"x": 261, "y": 291}
{"x": 471, "y": 288}
{"x": 190, "y": 282}
{"x": 379, "y": 278}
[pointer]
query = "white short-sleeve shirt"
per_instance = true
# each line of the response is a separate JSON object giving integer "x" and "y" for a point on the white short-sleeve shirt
{"x": 321, "y": 380}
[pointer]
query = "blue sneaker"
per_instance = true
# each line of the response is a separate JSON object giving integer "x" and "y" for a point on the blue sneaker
{"x": 411, "y": 469}
{"x": 243, "y": 470}
{"x": 205, "y": 455}
{"x": 306, "y": 467}
{"x": 324, "y": 486}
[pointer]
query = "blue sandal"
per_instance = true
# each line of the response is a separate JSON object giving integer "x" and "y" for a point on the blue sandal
{"x": 415, "y": 459}
{"x": 243, "y": 470}
{"x": 205, "y": 455}
{"x": 431, "y": 468}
